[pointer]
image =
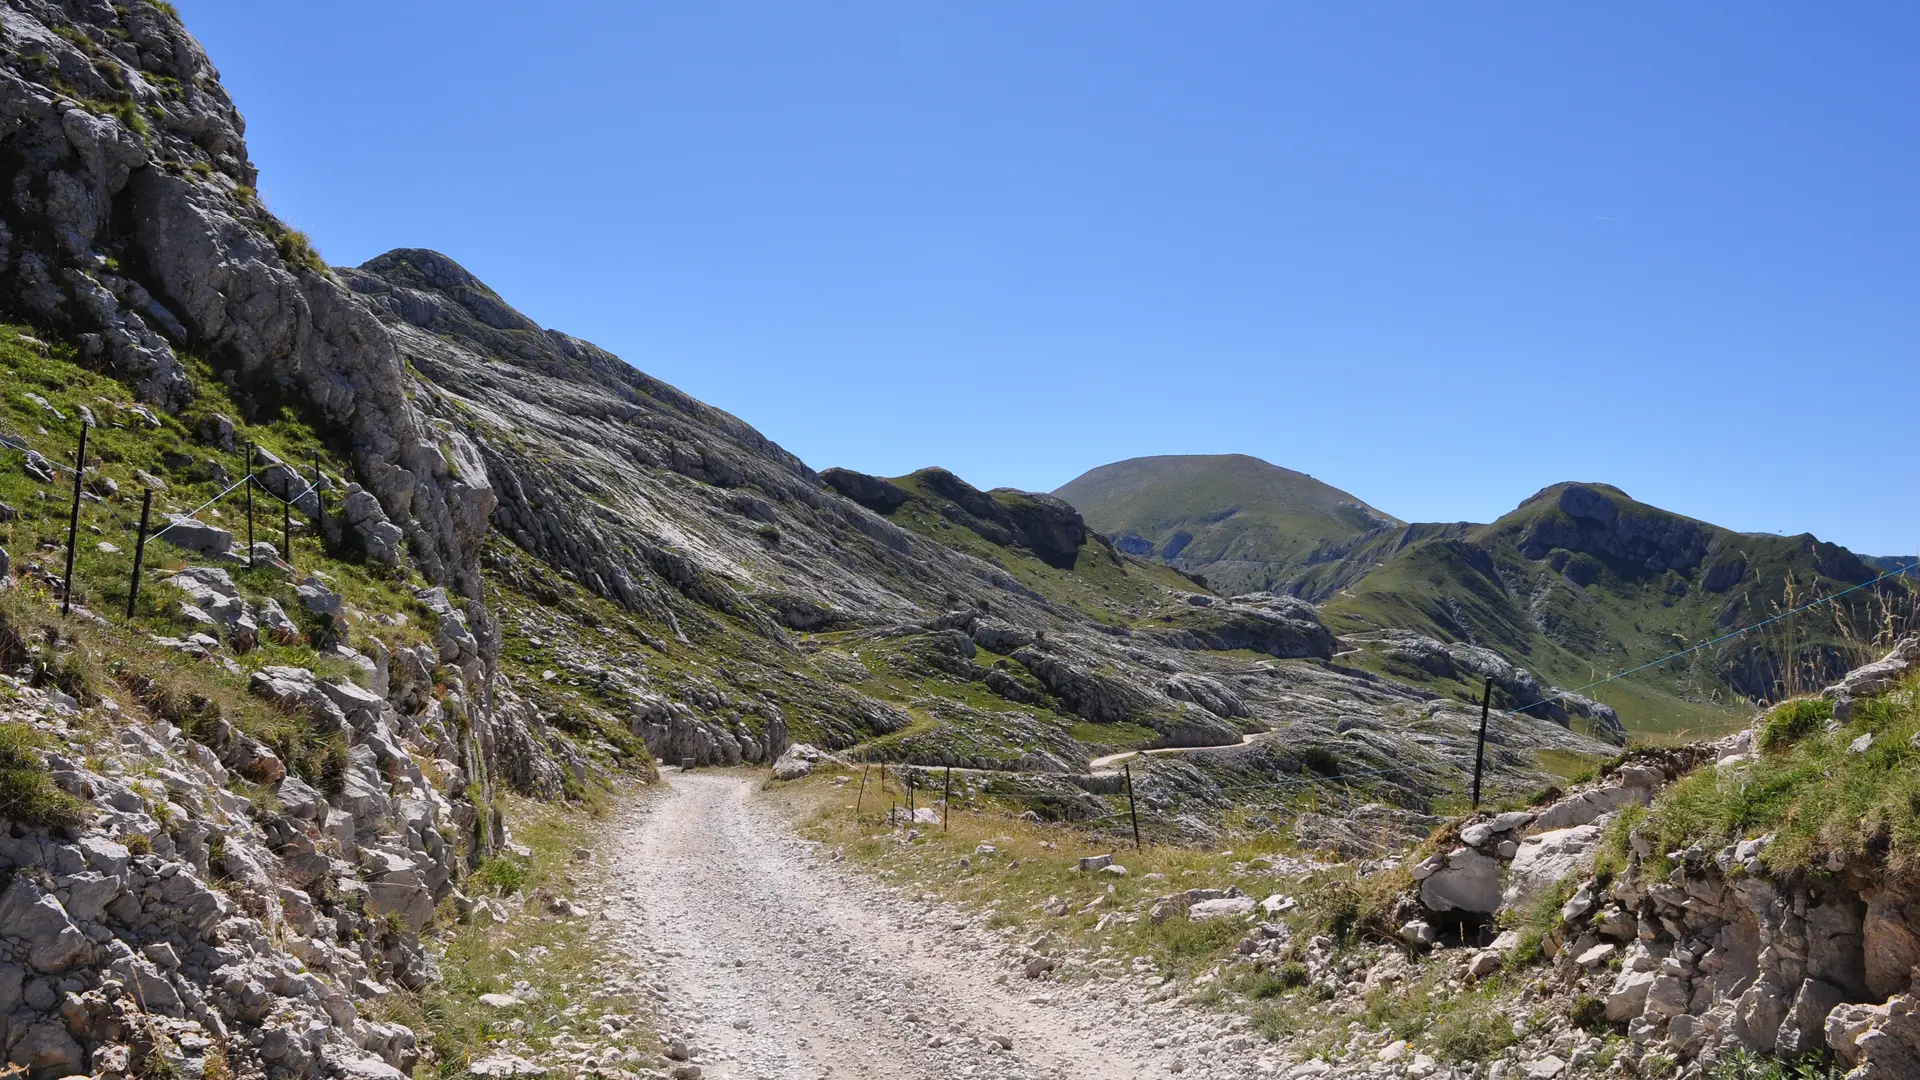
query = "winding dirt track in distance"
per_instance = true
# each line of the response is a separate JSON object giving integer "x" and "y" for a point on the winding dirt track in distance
{"x": 1115, "y": 759}
{"x": 776, "y": 962}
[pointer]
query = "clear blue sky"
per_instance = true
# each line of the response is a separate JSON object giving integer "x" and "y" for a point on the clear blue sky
{"x": 1440, "y": 255}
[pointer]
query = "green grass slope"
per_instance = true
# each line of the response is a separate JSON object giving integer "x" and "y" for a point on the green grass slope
{"x": 1581, "y": 581}
{"x": 1102, "y": 583}
{"x": 1243, "y": 523}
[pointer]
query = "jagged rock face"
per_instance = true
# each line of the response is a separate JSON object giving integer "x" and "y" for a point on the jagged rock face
{"x": 1040, "y": 523}
{"x": 1518, "y": 687}
{"x": 177, "y": 912}
{"x": 1009, "y": 517}
{"x": 136, "y": 231}
{"x": 1282, "y": 626}
{"x": 1716, "y": 954}
{"x": 1592, "y": 522}
{"x": 872, "y": 492}
{"x": 678, "y": 511}
{"x": 626, "y": 483}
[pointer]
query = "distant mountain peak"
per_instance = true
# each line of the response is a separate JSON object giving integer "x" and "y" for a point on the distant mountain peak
{"x": 1246, "y": 523}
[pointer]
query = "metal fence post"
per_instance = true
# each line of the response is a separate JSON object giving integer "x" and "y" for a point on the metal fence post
{"x": 319, "y": 502}
{"x": 1132, "y": 811}
{"x": 946, "y": 800}
{"x": 73, "y": 520}
{"x": 249, "y": 486}
{"x": 286, "y": 524}
{"x": 1480, "y": 753}
{"x": 139, "y": 550}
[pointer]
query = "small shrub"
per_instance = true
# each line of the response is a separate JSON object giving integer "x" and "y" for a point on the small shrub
{"x": 1589, "y": 1014}
{"x": 502, "y": 875}
{"x": 1791, "y": 721}
{"x": 1745, "y": 1065}
{"x": 1269, "y": 984}
{"x": 768, "y": 532}
{"x": 1320, "y": 760}
{"x": 1473, "y": 1034}
{"x": 1337, "y": 907}
{"x": 1273, "y": 1021}
{"x": 1539, "y": 920}
{"x": 27, "y": 794}
{"x": 75, "y": 674}
{"x": 297, "y": 250}
{"x": 1348, "y": 911}
{"x": 214, "y": 1064}
{"x": 1179, "y": 946}
{"x": 1404, "y": 1012}
{"x": 156, "y": 1066}
{"x": 129, "y": 114}
{"x": 330, "y": 777}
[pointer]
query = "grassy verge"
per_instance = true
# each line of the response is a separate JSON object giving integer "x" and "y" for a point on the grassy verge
{"x": 1020, "y": 877}
{"x": 557, "y": 967}
{"x": 1853, "y": 791}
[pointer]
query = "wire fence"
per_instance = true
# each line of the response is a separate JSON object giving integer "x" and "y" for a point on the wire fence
{"x": 1348, "y": 777}
{"x": 248, "y": 483}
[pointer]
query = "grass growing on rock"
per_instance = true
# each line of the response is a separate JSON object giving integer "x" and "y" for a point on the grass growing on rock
{"x": 1852, "y": 792}
{"x": 27, "y": 794}
{"x": 93, "y": 661}
{"x": 44, "y": 389}
{"x": 130, "y": 448}
{"x": 556, "y": 966}
{"x": 1020, "y": 878}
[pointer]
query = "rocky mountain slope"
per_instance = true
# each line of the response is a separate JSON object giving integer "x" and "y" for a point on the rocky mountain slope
{"x": 1581, "y": 581}
{"x": 1244, "y": 524}
{"x": 1577, "y": 582}
{"x": 915, "y": 618}
{"x": 245, "y": 809}
{"x": 1729, "y": 910}
{"x": 1752, "y": 896}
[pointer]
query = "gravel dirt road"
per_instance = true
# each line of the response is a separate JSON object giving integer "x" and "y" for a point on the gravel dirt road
{"x": 775, "y": 961}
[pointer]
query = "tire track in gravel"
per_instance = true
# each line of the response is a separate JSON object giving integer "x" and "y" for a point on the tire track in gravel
{"x": 778, "y": 964}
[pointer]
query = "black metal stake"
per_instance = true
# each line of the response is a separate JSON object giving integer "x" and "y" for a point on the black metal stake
{"x": 319, "y": 504}
{"x": 139, "y": 550}
{"x": 861, "y": 798}
{"x": 286, "y": 526}
{"x": 946, "y": 800}
{"x": 249, "y": 506}
{"x": 1480, "y": 754}
{"x": 1132, "y": 811}
{"x": 73, "y": 521}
